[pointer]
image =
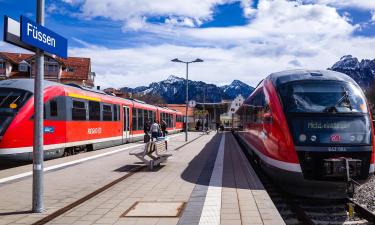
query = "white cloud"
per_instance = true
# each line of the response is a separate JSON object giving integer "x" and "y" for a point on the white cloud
{"x": 248, "y": 9}
{"x": 125, "y": 10}
{"x": 360, "y": 4}
{"x": 282, "y": 35}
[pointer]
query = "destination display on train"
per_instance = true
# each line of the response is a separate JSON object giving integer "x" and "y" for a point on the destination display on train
{"x": 342, "y": 125}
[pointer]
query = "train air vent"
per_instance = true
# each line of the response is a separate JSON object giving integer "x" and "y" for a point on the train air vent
{"x": 316, "y": 74}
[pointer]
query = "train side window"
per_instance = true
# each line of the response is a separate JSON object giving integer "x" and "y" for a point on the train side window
{"x": 107, "y": 112}
{"x": 78, "y": 110}
{"x": 115, "y": 109}
{"x": 94, "y": 111}
{"x": 134, "y": 119}
{"x": 53, "y": 107}
{"x": 140, "y": 119}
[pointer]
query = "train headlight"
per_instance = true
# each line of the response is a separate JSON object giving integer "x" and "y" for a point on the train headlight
{"x": 313, "y": 138}
{"x": 352, "y": 138}
{"x": 359, "y": 138}
{"x": 302, "y": 138}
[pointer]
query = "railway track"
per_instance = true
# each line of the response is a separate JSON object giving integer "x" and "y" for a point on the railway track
{"x": 304, "y": 211}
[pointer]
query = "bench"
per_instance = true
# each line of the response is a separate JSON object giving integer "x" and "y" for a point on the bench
{"x": 153, "y": 153}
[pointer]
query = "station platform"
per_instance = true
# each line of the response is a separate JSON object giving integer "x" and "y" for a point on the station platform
{"x": 207, "y": 181}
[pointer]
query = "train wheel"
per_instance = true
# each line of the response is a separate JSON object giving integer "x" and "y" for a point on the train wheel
{"x": 66, "y": 152}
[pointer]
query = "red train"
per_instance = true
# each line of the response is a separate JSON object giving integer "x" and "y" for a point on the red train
{"x": 75, "y": 119}
{"x": 303, "y": 126}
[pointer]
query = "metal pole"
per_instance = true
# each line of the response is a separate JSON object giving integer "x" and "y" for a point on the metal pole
{"x": 187, "y": 101}
{"x": 38, "y": 189}
{"x": 204, "y": 108}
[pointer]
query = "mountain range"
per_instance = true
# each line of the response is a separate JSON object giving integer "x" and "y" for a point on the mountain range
{"x": 172, "y": 90}
{"x": 363, "y": 72}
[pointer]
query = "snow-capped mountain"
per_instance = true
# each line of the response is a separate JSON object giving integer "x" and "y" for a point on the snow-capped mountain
{"x": 363, "y": 72}
{"x": 236, "y": 87}
{"x": 173, "y": 90}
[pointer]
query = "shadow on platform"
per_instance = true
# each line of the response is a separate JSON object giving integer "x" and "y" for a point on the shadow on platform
{"x": 207, "y": 156}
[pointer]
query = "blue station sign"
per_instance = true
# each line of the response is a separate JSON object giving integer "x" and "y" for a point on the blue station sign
{"x": 40, "y": 37}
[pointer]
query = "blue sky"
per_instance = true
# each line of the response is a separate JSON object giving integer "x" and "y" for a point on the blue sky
{"x": 130, "y": 40}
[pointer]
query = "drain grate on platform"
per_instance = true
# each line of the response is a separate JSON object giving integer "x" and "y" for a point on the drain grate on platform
{"x": 155, "y": 209}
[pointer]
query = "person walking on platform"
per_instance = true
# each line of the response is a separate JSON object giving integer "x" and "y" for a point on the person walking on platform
{"x": 163, "y": 128}
{"x": 198, "y": 125}
{"x": 155, "y": 128}
{"x": 146, "y": 130}
{"x": 217, "y": 127}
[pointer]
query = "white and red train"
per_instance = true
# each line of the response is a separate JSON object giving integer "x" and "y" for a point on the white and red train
{"x": 303, "y": 126}
{"x": 75, "y": 119}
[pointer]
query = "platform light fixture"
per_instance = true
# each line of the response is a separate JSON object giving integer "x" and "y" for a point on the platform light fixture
{"x": 187, "y": 89}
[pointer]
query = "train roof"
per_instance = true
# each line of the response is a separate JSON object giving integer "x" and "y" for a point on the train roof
{"x": 287, "y": 76}
{"x": 25, "y": 84}
{"x": 28, "y": 85}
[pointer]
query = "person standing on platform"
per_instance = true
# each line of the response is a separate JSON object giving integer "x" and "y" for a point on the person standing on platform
{"x": 155, "y": 128}
{"x": 163, "y": 128}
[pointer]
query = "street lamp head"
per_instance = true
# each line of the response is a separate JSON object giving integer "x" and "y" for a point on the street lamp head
{"x": 198, "y": 60}
{"x": 176, "y": 60}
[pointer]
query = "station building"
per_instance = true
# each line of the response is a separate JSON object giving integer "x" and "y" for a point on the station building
{"x": 73, "y": 70}
{"x": 223, "y": 112}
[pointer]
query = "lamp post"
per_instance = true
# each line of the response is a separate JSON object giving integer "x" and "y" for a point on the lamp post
{"x": 187, "y": 90}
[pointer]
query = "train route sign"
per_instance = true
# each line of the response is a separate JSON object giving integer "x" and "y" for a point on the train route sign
{"x": 40, "y": 37}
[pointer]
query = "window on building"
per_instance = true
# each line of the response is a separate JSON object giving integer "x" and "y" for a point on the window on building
{"x": 107, "y": 113}
{"x": 53, "y": 108}
{"x": 23, "y": 67}
{"x": 53, "y": 68}
{"x": 78, "y": 110}
{"x": 2, "y": 65}
{"x": 94, "y": 111}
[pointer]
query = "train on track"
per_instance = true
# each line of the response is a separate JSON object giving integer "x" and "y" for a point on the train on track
{"x": 75, "y": 119}
{"x": 309, "y": 130}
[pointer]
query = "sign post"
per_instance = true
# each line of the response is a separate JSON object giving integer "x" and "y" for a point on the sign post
{"x": 35, "y": 37}
{"x": 38, "y": 158}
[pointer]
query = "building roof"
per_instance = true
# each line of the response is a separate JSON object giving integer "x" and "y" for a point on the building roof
{"x": 181, "y": 108}
{"x": 80, "y": 66}
{"x": 74, "y": 68}
{"x": 15, "y": 57}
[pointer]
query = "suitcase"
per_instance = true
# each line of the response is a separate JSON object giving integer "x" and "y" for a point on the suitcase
{"x": 146, "y": 138}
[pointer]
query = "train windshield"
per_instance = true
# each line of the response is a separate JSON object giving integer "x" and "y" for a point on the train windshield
{"x": 322, "y": 97}
{"x": 11, "y": 100}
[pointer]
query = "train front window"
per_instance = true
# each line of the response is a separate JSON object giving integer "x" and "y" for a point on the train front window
{"x": 322, "y": 97}
{"x": 11, "y": 100}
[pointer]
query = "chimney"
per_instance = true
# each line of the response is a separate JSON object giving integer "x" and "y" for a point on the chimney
{"x": 98, "y": 88}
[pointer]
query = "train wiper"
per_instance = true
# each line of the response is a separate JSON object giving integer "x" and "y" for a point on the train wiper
{"x": 344, "y": 99}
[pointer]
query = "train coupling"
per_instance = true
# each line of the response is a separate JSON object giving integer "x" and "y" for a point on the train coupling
{"x": 346, "y": 168}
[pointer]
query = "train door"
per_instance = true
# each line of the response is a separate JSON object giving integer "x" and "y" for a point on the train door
{"x": 126, "y": 130}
